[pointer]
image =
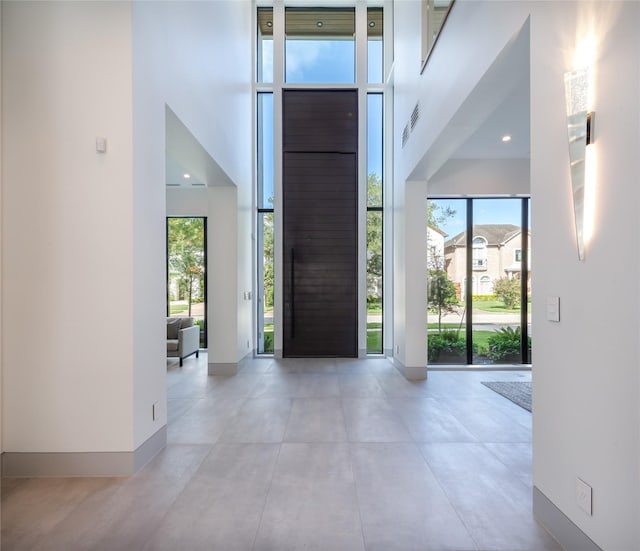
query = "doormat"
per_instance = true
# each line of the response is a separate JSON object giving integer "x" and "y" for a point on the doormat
{"x": 519, "y": 392}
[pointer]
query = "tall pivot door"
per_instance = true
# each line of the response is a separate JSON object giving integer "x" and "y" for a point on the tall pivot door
{"x": 320, "y": 199}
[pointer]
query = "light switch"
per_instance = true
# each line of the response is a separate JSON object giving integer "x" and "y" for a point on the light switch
{"x": 553, "y": 308}
{"x": 101, "y": 145}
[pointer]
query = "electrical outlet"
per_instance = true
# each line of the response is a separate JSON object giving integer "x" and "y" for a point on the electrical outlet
{"x": 154, "y": 411}
{"x": 583, "y": 496}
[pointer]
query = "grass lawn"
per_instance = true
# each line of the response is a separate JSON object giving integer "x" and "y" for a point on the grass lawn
{"x": 176, "y": 308}
{"x": 374, "y": 338}
{"x": 495, "y": 306}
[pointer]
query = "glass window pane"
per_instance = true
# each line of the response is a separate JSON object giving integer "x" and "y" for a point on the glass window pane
{"x": 446, "y": 264}
{"x": 265, "y": 45}
{"x": 374, "y": 150}
{"x": 265, "y": 150}
{"x": 265, "y": 283}
{"x": 497, "y": 239}
{"x": 374, "y": 282}
{"x": 375, "y": 59}
{"x": 320, "y": 45}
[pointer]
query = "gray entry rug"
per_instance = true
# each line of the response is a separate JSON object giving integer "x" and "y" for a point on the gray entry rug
{"x": 519, "y": 392}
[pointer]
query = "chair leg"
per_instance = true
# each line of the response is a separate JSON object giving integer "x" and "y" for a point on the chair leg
{"x": 197, "y": 353}
{"x": 180, "y": 362}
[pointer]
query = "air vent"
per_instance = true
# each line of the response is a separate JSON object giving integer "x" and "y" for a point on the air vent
{"x": 405, "y": 135}
{"x": 415, "y": 115}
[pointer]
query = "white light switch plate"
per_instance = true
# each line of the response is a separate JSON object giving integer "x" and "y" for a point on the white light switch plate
{"x": 583, "y": 496}
{"x": 553, "y": 308}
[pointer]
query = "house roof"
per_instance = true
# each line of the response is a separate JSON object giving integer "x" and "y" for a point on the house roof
{"x": 495, "y": 234}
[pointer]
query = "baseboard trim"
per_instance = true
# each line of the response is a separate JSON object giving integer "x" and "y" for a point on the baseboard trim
{"x": 561, "y": 527}
{"x": 410, "y": 373}
{"x": 76, "y": 464}
{"x": 227, "y": 369}
{"x": 151, "y": 447}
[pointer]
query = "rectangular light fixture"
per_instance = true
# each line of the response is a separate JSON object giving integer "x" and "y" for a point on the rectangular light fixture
{"x": 580, "y": 124}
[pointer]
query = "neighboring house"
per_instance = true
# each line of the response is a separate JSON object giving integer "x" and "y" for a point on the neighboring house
{"x": 435, "y": 247}
{"x": 497, "y": 253}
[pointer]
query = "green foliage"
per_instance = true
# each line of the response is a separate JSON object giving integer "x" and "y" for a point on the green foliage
{"x": 508, "y": 291}
{"x": 374, "y": 239}
{"x": 505, "y": 342}
{"x": 267, "y": 252}
{"x": 268, "y": 342}
{"x": 185, "y": 251}
{"x": 445, "y": 342}
{"x": 437, "y": 214}
{"x": 441, "y": 294}
{"x": 484, "y": 298}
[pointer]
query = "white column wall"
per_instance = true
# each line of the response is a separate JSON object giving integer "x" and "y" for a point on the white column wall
{"x": 586, "y": 371}
{"x": 181, "y": 60}
{"x": 67, "y": 255}
{"x": 587, "y": 367}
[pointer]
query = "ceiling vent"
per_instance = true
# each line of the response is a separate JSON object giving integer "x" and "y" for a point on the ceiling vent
{"x": 415, "y": 115}
{"x": 405, "y": 135}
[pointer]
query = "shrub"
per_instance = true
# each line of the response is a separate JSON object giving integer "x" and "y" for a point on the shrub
{"x": 504, "y": 343}
{"x": 508, "y": 291}
{"x": 446, "y": 342}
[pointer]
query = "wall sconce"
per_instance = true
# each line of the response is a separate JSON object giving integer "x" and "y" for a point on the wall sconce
{"x": 580, "y": 126}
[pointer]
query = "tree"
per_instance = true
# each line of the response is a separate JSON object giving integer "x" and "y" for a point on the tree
{"x": 185, "y": 239}
{"x": 442, "y": 294}
{"x": 374, "y": 239}
{"x": 508, "y": 291}
{"x": 267, "y": 258}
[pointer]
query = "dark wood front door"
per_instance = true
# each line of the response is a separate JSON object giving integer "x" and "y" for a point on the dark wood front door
{"x": 320, "y": 208}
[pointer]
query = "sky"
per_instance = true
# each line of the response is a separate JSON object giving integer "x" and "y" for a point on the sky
{"x": 320, "y": 62}
{"x": 485, "y": 211}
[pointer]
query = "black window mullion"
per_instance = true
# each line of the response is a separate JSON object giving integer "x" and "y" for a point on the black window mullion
{"x": 469, "y": 284}
{"x": 524, "y": 277}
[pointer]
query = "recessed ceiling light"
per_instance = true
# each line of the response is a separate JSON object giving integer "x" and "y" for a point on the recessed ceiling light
{"x": 319, "y": 24}
{"x": 372, "y": 24}
{"x": 186, "y": 175}
{"x": 269, "y": 24}
{"x": 506, "y": 138}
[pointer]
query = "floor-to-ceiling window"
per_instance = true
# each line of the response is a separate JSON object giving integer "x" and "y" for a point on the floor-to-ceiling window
{"x": 479, "y": 281}
{"x": 186, "y": 270}
{"x": 327, "y": 48}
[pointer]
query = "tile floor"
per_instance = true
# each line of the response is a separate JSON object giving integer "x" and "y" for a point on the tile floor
{"x": 322, "y": 455}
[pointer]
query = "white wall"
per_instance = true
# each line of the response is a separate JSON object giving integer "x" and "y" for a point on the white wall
{"x": 83, "y": 243}
{"x": 67, "y": 224}
{"x": 181, "y": 59}
{"x": 481, "y": 177}
{"x": 586, "y": 368}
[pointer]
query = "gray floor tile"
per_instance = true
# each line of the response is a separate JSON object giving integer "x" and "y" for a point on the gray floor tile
{"x": 312, "y": 501}
{"x": 517, "y": 458}
{"x": 428, "y": 421}
{"x": 373, "y": 420}
{"x": 221, "y": 507}
{"x": 318, "y": 385}
{"x": 292, "y": 454}
{"x": 259, "y": 420}
{"x": 316, "y": 420}
{"x": 207, "y": 419}
{"x": 492, "y": 502}
{"x": 355, "y": 384}
{"x": 401, "y": 504}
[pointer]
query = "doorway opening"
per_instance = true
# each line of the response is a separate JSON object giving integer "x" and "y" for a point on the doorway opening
{"x": 187, "y": 270}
